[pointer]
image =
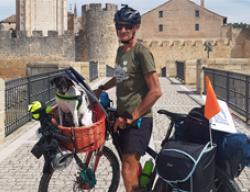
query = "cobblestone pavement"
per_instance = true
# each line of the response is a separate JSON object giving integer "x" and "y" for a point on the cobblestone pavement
{"x": 178, "y": 98}
{"x": 21, "y": 172}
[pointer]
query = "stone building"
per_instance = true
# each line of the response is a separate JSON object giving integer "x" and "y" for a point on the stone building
{"x": 74, "y": 22}
{"x": 99, "y": 34}
{"x": 177, "y": 30}
{"x": 8, "y": 24}
{"x": 71, "y": 21}
{"x": 41, "y": 15}
{"x": 174, "y": 31}
{"x": 181, "y": 19}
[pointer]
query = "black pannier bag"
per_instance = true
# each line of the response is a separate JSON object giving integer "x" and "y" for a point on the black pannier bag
{"x": 187, "y": 167}
{"x": 196, "y": 127}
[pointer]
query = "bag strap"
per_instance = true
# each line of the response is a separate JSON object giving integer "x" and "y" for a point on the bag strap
{"x": 197, "y": 119}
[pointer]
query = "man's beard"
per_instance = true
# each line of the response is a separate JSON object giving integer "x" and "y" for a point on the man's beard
{"x": 129, "y": 40}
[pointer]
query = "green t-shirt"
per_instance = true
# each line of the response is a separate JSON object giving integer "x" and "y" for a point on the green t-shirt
{"x": 129, "y": 72}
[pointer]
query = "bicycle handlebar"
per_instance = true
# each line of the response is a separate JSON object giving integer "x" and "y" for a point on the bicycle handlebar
{"x": 61, "y": 137}
{"x": 50, "y": 129}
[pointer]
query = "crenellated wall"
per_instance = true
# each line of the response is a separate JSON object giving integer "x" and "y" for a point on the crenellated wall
{"x": 97, "y": 41}
{"x": 239, "y": 65}
{"x": 17, "y": 53}
{"x": 181, "y": 50}
{"x": 38, "y": 45}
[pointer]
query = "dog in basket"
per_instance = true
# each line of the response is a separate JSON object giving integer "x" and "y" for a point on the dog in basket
{"x": 72, "y": 100}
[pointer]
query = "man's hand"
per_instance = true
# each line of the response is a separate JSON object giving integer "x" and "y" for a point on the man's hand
{"x": 98, "y": 92}
{"x": 120, "y": 123}
{"x": 129, "y": 121}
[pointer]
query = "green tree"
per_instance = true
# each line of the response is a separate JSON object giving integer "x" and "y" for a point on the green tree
{"x": 208, "y": 47}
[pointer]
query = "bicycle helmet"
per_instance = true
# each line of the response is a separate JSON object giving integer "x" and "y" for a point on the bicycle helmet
{"x": 37, "y": 107}
{"x": 128, "y": 15}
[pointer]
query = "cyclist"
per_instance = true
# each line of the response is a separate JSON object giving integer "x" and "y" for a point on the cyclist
{"x": 137, "y": 89}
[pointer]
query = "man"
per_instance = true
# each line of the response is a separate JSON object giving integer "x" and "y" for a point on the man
{"x": 137, "y": 89}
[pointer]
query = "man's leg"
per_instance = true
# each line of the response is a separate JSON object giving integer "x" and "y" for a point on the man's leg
{"x": 130, "y": 168}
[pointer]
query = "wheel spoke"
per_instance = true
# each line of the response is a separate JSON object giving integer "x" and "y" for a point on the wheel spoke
{"x": 107, "y": 176}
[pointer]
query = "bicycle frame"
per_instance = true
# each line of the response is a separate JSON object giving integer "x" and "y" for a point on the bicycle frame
{"x": 173, "y": 118}
{"x": 154, "y": 154}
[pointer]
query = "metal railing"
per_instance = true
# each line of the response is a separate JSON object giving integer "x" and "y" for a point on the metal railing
{"x": 109, "y": 71}
{"x": 180, "y": 70}
{"x": 20, "y": 92}
{"x": 93, "y": 70}
{"x": 233, "y": 88}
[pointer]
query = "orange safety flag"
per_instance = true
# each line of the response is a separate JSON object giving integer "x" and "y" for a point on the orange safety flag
{"x": 211, "y": 106}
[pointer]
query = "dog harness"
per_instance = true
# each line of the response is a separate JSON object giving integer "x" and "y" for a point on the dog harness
{"x": 70, "y": 98}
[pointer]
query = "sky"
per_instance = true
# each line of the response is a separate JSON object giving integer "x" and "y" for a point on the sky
{"x": 234, "y": 10}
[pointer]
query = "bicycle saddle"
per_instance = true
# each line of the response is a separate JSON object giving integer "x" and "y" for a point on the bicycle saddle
{"x": 171, "y": 115}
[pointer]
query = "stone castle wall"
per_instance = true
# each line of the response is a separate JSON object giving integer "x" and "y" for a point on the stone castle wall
{"x": 241, "y": 39}
{"x": 97, "y": 41}
{"x": 238, "y": 65}
{"x": 247, "y": 49}
{"x": 180, "y": 50}
{"x": 38, "y": 45}
{"x": 11, "y": 68}
{"x": 17, "y": 53}
{"x": 167, "y": 51}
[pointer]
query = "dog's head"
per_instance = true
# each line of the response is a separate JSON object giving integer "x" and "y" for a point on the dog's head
{"x": 62, "y": 84}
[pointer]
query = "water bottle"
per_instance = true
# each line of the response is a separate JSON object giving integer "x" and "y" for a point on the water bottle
{"x": 146, "y": 173}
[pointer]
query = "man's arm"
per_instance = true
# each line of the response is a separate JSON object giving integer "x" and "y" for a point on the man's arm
{"x": 154, "y": 92}
{"x": 109, "y": 84}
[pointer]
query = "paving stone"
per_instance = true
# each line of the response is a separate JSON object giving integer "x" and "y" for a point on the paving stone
{"x": 21, "y": 171}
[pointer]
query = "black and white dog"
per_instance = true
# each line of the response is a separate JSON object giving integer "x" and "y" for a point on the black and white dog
{"x": 71, "y": 99}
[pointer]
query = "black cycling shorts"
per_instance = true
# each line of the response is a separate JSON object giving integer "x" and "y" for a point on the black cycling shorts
{"x": 134, "y": 140}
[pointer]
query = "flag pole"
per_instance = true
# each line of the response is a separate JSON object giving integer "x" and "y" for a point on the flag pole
{"x": 211, "y": 105}
{"x": 210, "y": 134}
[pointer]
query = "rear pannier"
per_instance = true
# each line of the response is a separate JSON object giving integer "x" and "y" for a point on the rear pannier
{"x": 187, "y": 166}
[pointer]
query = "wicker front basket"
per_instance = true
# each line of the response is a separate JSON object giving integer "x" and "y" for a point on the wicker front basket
{"x": 87, "y": 138}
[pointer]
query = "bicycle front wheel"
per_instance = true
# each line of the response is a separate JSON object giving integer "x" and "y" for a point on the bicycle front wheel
{"x": 107, "y": 176}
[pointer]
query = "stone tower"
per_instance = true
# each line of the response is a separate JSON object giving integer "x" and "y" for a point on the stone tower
{"x": 202, "y": 4}
{"x": 41, "y": 15}
{"x": 99, "y": 28}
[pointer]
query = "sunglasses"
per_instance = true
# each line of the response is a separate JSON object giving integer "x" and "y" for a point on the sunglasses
{"x": 119, "y": 26}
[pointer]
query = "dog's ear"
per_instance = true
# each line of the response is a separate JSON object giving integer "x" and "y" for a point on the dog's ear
{"x": 69, "y": 82}
{"x": 54, "y": 80}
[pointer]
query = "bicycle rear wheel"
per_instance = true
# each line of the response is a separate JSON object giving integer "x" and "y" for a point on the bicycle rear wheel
{"x": 223, "y": 183}
{"x": 107, "y": 176}
{"x": 161, "y": 186}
